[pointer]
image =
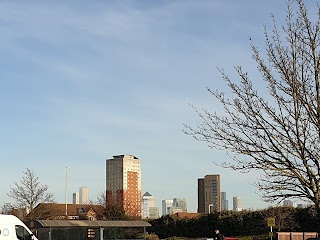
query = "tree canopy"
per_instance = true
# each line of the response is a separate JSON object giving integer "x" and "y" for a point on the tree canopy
{"x": 29, "y": 192}
{"x": 278, "y": 133}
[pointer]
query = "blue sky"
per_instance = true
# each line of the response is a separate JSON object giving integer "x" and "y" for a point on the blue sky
{"x": 82, "y": 81}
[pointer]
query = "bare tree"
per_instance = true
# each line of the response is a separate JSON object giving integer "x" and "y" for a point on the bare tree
{"x": 115, "y": 212}
{"x": 7, "y": 208}
{"x": 46, "y": 211}
{"x": 284, "y": 217}
{"x": 277, "y": 133}
{"x": 29, "y": 192}
{"x": 112, "y": 211}
{"x": 101, "y": 198}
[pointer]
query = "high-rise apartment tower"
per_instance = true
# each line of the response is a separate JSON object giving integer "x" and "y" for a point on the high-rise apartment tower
{"x": 84, "y": 195}
{"x": 123, "y": 183}
{"x": 209, "y": 197}
{"x": 237, "y": 204}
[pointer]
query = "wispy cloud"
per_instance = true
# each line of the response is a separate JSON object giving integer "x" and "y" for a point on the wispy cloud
{"x": 82, "y": 82}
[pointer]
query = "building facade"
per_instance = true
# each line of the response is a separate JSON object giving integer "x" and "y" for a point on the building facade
{"x": 83, "y": 195}
{"x": 75, "y": 198}
{"x": 209, "y": 196}
{"x": 173, "y": 210}
{"x": 224, "y": 202}
{"x": 180, "y": 203}
{"x": 287, "y": 203}
{"x": 201, "y": 196}
{"x": 123, "y": 184}
{"x": 237, "y": 204}
{"x": 166, "y": 205}
{"x": 301, "y": 205}
{"x": 173, "y": 206}
{"x": 153, "y": 212}
{"x": 149, "y": 210}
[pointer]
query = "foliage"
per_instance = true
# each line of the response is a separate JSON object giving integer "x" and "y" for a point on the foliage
{"x": 259, "y": 237}
{"x": 246, "y": 225}
{"x": 115, "y": 212}
{"x": 307, "y": 219}
{"x": 150, "y": 236}
{"x": 175, "y": 238}
{"x": 112, "y": 211}
{"x": 284, "y": 217}
{"x": 272, "y": 124}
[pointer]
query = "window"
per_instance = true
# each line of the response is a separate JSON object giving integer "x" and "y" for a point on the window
{"x": 22, "y": 233}
{"x": 81, "y": 211}
{"x": 91, "y": 233}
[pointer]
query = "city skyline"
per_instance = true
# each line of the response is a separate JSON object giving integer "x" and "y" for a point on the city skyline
{"x": 83, "y": 81}
{"x": 76, "y": 199}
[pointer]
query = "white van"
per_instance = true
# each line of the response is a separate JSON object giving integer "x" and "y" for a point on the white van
{"x": 12, "y": 228}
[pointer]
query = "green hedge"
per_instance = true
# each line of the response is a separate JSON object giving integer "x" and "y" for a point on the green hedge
{"x": 247, "y": 225}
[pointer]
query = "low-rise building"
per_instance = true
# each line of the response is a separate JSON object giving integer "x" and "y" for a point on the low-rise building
{"x": 48, "y": 211}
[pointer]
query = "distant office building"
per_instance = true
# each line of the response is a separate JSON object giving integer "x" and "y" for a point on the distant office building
{"x": 174, "y": 210}
{"x": 123, "y": 184}
{"x": 180, "y": 203}
{"x": 153, "y": 212}
{"x": 301, "y": 205}
{"x": 209, "y": 198}
{"x": 237, "y": 204}
{"x": 287, "y": 203}
{"x": 224, "y": 201}
{"x": 75, "y": 198}
{"x": 173, "y": 206}
{"x": 148, "y": 207}
{"x": 147, "y": 201}
{"x": 84, "y": 195}
{"x": 166, "y": 204}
